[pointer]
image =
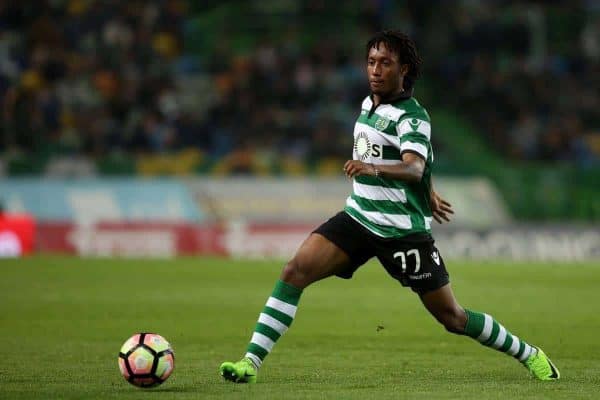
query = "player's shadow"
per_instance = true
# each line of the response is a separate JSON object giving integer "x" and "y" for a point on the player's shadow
{"x": 175, "y": 389}
{"x": 167, "y": 389}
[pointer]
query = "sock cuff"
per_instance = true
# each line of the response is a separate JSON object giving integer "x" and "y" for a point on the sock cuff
{"x": 475, "y": 323}
{"x": 286, "y": 292}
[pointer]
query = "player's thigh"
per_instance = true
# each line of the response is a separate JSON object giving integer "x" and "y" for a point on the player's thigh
{"x": 317, "y": 258}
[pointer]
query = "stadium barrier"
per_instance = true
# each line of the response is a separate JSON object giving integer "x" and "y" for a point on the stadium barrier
{"x": 87, "y": 201}
{"x": 558, "y": 243}
{"x": 279, "y": 241}
{"x": 476, "y": 201}
{"x": 260, "y": 218}
{"x": 130, "y": 239}
{"x": 17, "y": 232}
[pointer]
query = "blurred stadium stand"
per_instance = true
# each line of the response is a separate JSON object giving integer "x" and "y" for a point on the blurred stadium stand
{"x": 176, "y": 87}
{"x": 270, "y": 89}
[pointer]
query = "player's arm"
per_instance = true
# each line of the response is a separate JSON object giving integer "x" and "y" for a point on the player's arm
{"x": 409, "y": 170}
{"x": 414, "y": 131}
{"x": 440, "y": 208}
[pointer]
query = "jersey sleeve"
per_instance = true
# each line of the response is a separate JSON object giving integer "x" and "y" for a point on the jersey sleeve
{"x": 414, "y": 133}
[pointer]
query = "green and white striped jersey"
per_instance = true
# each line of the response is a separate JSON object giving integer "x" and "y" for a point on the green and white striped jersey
{"x": 392, "y": 208}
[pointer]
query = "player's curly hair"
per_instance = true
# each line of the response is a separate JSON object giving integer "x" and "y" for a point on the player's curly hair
{"x": 406, "y": 49}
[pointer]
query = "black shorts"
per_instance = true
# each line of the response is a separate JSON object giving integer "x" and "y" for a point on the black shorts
{"x": 414, "y": 260}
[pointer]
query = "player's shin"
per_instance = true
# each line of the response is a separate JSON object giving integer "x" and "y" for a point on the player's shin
{"x": 489, "y": 332}
{"x": 273, "y": 321}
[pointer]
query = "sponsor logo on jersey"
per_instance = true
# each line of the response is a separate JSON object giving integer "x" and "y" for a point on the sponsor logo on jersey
{"x": 414, "y": 123}
{"x": 362, "y": 146}
{"x": 424, "y": 275}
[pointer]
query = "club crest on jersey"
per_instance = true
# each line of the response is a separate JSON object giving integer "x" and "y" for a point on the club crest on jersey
{"x": 362, "y": 146}
{"x": 381, "y": 123}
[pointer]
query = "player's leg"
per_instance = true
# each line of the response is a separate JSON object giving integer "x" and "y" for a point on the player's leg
{"x": 317, "y": 258}
{"x": 442, "y": 304}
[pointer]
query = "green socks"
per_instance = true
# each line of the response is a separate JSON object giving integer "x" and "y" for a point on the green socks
{"x": 489, "y": 332}
{"x": 274, "y": 320}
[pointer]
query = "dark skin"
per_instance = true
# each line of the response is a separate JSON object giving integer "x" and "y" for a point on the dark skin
{"x": 318, "y": 258}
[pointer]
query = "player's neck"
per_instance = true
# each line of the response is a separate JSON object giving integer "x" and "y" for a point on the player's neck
{"x": 391, "y": 97}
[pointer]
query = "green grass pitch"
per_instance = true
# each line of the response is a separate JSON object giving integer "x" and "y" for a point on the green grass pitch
{"x": 63, "y": 320}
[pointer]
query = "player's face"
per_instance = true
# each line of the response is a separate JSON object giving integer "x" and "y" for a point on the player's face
{"x": 384, "y": 71}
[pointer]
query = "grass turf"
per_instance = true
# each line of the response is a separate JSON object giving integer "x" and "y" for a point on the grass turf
{"x": 63, "y": 320}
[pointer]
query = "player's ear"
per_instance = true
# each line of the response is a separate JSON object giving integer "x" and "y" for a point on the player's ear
{"x": 404, "y": 69}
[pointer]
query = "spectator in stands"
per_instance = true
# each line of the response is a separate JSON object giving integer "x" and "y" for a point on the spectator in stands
{"x": 99, "y": 77}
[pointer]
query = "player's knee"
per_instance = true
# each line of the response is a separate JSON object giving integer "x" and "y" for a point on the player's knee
{"x": 290, "y": 271}
{"x": 454, "y": 320}
{"x": 296, "y": 273}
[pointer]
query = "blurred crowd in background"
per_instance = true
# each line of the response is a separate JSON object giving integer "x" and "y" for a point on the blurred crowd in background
{"x": 529, "y": 76}
{"x": 262, "y": 79}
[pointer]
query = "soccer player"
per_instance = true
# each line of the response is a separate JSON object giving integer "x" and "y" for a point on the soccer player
{"x": 387, "y": 216}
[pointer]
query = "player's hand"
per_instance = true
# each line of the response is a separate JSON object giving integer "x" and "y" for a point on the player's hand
{"x": 354, "y": 168}
{"x": 440, "y": 208}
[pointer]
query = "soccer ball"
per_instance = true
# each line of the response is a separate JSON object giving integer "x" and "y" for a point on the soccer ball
{"x": 146, "y": 360}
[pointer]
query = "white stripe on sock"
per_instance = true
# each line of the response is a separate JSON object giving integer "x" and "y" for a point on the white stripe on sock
{"x": 255, "y": 359}
{"x": 282, "y": 306}
{"x": 487, "y": 329}
{"x": 533, "y": 351}
{"x": 500, "y": 339}
{"x": 273, "y": 323}
{"x": 263, "y": 341}
{"x": 514, "y": 347}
